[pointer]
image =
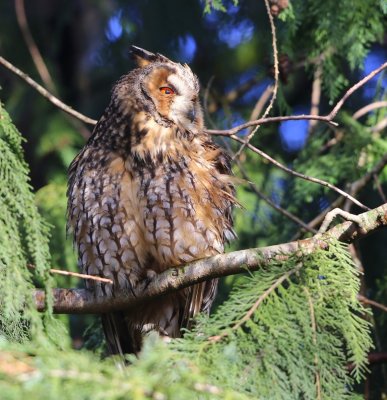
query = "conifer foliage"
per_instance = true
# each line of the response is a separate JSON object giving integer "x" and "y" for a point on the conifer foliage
{"x": 23, "y": 242}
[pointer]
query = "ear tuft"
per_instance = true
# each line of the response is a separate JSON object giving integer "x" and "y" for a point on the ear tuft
{"x": 144, "y": 57}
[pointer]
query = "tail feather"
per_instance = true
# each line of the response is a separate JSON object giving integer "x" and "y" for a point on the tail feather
{"x": 200, "y": 299}
{"x": 119, "y": 338}
{"x": 122, "y": 337}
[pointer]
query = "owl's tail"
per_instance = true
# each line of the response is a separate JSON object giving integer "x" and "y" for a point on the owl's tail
{"x": 119, "y": 338}
{"x": 168, "y": 319}
{"x": 200, "y": 299}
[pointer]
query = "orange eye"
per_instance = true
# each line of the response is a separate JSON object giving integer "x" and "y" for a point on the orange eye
{"x": 166, "y": 90}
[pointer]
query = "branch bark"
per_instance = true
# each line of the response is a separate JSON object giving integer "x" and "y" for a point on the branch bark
{"x": 81, "y": 301}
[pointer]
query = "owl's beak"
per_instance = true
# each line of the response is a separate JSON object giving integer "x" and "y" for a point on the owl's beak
{"x": 192, "y": 114}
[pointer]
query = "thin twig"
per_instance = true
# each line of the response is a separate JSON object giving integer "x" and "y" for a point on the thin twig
{"x": 45, "y": 93}
{"x": 327, "y": 118}
{"x": 261, "y": 103}
{"x": 355, "y": 187}
{"x": 299, "y": 175}
{"x": 355, "y": 87}
{"x": 368, "y": 108}
{"x": 32, "y": 47}
{"x": 276, "y": 77}
{"x": 284, "y": 212}
{"x": 372, "y": 303}
{"x": 263, "y": 121}
{"x": 379, "y": 188}
{"x": 76, "y": 274}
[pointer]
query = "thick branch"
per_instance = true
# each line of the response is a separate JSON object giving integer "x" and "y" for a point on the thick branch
{"x": 78, "y": 301}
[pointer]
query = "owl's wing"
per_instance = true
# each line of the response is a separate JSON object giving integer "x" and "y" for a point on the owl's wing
{"x": 202, "y": 295}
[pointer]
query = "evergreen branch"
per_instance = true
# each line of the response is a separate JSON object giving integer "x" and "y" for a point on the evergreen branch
{"x": 45, "y": 93}
{"x": 300, "y": 175}
{"x": 81, "y": 301}
{"x": 314, "y": 333}
{"x": 254, "y": 307}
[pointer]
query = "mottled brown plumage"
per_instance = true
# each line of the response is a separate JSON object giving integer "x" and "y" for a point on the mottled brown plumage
{"x": 150, "y": 190}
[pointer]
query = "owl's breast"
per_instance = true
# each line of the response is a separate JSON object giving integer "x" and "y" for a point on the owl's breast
{"x": 183, "y": 212}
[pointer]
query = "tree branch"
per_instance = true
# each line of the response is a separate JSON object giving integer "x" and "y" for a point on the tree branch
{"x": 81, "y": 301}
{"x": 299, "y": 175}
{"x": 324, "y": 118}
{"x": 45, "y": 93}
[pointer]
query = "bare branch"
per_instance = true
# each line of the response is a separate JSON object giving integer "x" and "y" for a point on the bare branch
{"x": 371, "y": 303}
{"x": 299, "y": 175}
{"x": 327, "y": 118}
{"x": 32, "y": 47}
{"x": 368, "y": 108}
{"x": 262, "y": 121}
{"x": 276, "y": 207}
{"x": 45, "y": 93}
{"x": 355, "y": 87}
{"x": 276, "y": 77}
{"x": 75, "y": 274}
{"x": 379, "y": 188}
{"x": 316, "y": 96}
{"x": 78, "y": 301}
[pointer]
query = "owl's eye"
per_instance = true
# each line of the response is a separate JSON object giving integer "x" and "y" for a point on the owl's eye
{"x": 166, "y": 90}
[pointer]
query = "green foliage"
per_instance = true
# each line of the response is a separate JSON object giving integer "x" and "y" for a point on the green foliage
{"x": 334, "y": 32}
{"x": 216, "y": 5}
{"x": 159, "y": 374}
{"x": 304, "y": 328}
{"x": 310, "y": 326}
{"x": 23, "y": 241}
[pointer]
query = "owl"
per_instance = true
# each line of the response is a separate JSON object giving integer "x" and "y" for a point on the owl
{"x": 149, "y": 191}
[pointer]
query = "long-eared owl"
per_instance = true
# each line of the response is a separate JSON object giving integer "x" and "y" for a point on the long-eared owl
{"x": 150, "y": 190}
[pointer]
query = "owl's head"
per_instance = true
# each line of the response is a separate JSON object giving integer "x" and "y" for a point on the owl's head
{"x": 168, "y": 91}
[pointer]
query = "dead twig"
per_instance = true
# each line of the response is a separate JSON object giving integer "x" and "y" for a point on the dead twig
{"x": 299, "y": 175}
{"x": 32, "y": 47}
{"x": 368, "y": 108}
{"x": 46, "y": 94}
{"x": 371, "y": 303}
{"x": 76, "y": 274}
